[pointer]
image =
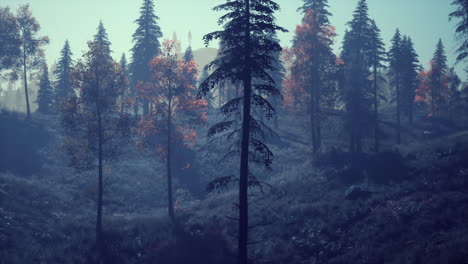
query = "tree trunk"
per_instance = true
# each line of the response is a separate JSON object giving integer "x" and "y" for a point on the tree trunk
{"x": 100, "y": 173}
{"x": 245, "y": 140}
{"x": 28, "y": 109}
{"x": 398, "y": 108}
{"x": 312, "y": 125}
{"x": 170, "y": 203}
{"x": 376, "y": 113}
{"x": 318, "y": 117}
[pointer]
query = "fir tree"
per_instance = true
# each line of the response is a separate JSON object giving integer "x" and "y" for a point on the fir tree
{"x": 409, "y": 77}
{"x": 45, "y": 94}
{"x": 320, "y": 7}
{"x": 395, "y": 59}
{"x": 437, "y": 80}
{"x": 249, "y": 56}
{"x": 454, "y": 94}
{"x": 377, "y": 57}
{"x": 63, "y": 86}
{"x": 146, "y": 46}
{"x": 358, "y": 96}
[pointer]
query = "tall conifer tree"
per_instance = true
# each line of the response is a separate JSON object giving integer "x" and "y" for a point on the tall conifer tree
{"x": 146, "y": 46}
{"x": 248, "y": 56}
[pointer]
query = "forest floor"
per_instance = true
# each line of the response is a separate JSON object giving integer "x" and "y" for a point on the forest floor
{"x": 416, "y": 212}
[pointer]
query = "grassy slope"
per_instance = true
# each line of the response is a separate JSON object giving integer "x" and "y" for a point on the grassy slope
{"x": 49, "y": 218}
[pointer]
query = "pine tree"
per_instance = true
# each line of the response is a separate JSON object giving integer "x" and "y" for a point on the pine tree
{"x": 189, "y": 58}
{"x": 32, "y": 52}
{"x": 437, "y": 80}
{"x": 313, "y": 57}
{"x": 63, "y": 85}
{"x": 127, "y": 96}
{"x": 146, "y": 46}
{"x": 409, "y": 77}
{"x": 320, "y": 7}
{"x": 45, "y": 94}
{"x": 91, "y": 121}
{"x": 249, "y": 56}
{"x": 395, "y": 59}
{"x": 358, "y": 96}
{"x": 462, "y": 27}
{"x": 377, "y": 57}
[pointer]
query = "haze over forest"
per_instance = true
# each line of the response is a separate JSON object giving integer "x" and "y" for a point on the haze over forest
{"x": 233, "y": 131}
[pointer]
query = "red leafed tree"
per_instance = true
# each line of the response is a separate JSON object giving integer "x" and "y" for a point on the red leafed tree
{"x": 174, "y": 112}
{"x": 432, "y": 93}
{"x": 312, "y": 62}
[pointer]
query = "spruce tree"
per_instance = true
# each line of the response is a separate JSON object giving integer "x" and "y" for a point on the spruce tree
{"x": 409, "y": 82}
{"x": 45, "y": 94}
{"x": 278, "y": 75}
{"x": 377, "y": 57}
{"x": 358, "y": 95}
{"x": 320, "y": 7}
{"x": 437, "y": 76}
{"x": 395, "y": 60}
{"x": 146, "y": 46}
{"x": 63, "y": 86}
{"x": 249, "y": 56}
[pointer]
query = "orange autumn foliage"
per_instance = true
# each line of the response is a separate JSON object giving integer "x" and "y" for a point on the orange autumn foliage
{"x": 172, "y": 98}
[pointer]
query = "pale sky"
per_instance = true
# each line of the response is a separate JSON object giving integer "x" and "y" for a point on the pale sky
{"x": 76, "y": 20}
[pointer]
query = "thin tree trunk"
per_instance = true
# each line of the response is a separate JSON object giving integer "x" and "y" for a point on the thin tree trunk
{"x": 376, "y": 113}
{"x": 170, "y": 203}
{"x": 312, "y": 124}
{"x": 318, "y": 123}
{"x": 398, "y": 109}
{"x": 245, "y": 140}
{"x": 100, "y": 173}
{"x": 28, "y": 109}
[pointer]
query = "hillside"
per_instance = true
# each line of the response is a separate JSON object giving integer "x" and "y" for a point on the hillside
{"x": 416, "y": 213}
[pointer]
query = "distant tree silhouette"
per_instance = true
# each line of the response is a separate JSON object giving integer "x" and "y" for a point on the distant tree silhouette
{"x": 247, "y": 57}
{"x": 438, "y": 82}
{"x": 45, "y": 95}
{"x": 63, "y": 86}
{"x": 146, "y": 46}
{"x": 409, "y": 77}
{"x": 377, "y": 57}
{"x": 396, "y": 70}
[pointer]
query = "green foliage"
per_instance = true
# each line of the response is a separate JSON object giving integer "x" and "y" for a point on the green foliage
{"x": 9, "y": 39}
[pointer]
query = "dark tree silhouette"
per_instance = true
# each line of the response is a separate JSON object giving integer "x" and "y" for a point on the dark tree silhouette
{"x": 45, "y": 95}
{"x": 247, "y": 56}
{"x": 377, "y": 57}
